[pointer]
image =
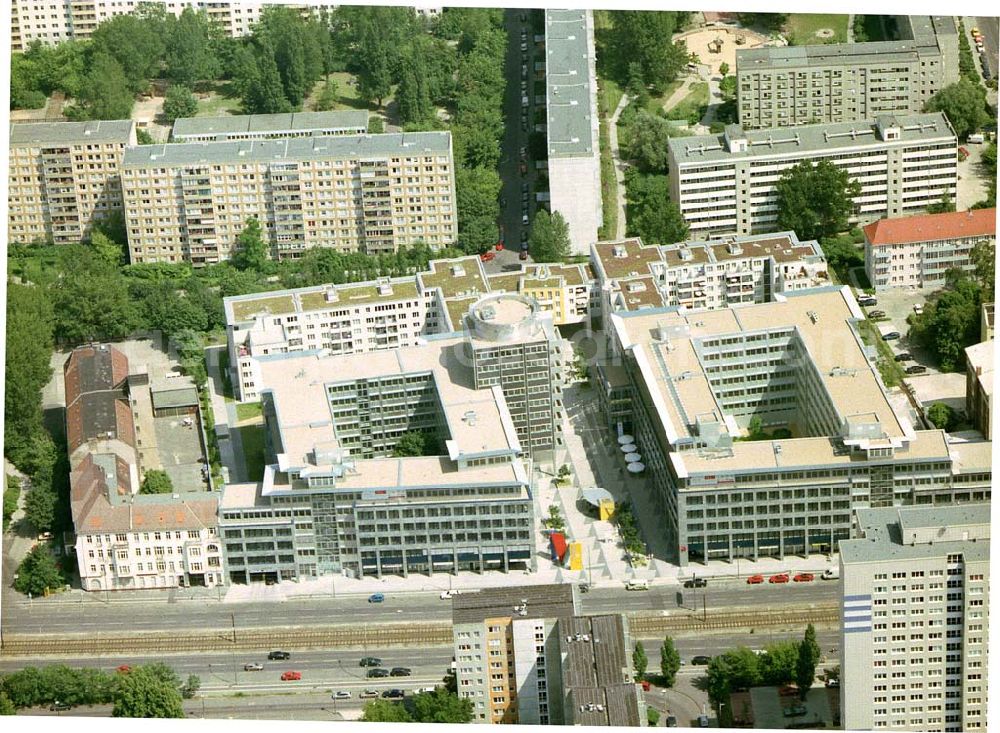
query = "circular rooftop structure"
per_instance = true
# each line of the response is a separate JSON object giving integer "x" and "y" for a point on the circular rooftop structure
{"x": 504, "y": 316}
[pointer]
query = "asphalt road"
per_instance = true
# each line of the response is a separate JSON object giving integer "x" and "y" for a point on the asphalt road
{"x": 990, "y": 28}
{"x": 515, "y": 138}
{"x": 91, "y": 613}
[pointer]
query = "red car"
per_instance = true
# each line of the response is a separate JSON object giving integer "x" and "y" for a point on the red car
{"x": 486, "y": 256}
{"x": 804, "y": 577}
{"x": 779, "y": 578}
{"x": 788, "y": 690}
{"x": 755, "y": 579}
{"x": 124, "y": 669}
{"x": 500, "y": 246}
{"x": 645, "y": 685}
{"x": 290, "y": 676}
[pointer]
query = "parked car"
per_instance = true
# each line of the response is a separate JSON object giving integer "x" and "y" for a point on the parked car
{"x": 695, "y": 583}
{"x": 524, "y": 220}
{"x": 671, "y": 721}
{"x": 370, "y": 662}
{"x": 833, "y": 682}
{"x": 376, "y": 598}
{"x": 890, "y": 335}
{"x": 291, "y": 676}
{"x": 867, "y": 301}
{"x": 400, "y": 672}
{"x": 341, "y": 695}
{"x": 584, "y": 587}
{"x": 755, "y": 580}
{"x": 916, "y": 369}
{"x": 779, "y": 578}
{"x": 253, "y": 667}
{"x": 788, "y": 690}
{"x": 830, "y": 574}
{"x": 44, "y": 537}
{"x": 645, "y": 685}
{"x": 376, "y": 672}
{"x": 918, "y": 309}
{"x": 279, "y": 655}
{"x": 905, "y": 356}
{"x": 368, "y": 694}
{"x": 804, "y": 577}
{"x": 123, "y": 669}
{"x": 485, "y": 257}
{"x": 700, "y": 660}
{"x": 523, "y": 255}
{"x": 876, "y": 314}
{"x": 394, "y": 694}
{"x": 703, "y": 721}
{"x": 447, "y": 595}
{"x": 524, "y": 46}
{"x": 523, "y": 169}
{"x": 59, "y": 706}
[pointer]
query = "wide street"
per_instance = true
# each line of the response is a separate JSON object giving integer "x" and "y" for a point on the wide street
{"x": 92, "y": 613}
{"x": 227, "y": 691}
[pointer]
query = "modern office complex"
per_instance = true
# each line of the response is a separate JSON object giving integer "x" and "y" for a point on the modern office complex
{"x": 387, "y": 313}
{"x": 63, "y": 177}
{"x": 788, "y": 86}
{"x": 725, "y": 184}
{"x": 979, "y": 386}
{"x": 51, "y": 21}
{"x": 334, "y": 499}
{"x": 572, "y": 124}
{"x": 263, "y": 127}
{"x": 188, "y": 202}
{"x": 915, "y": 609}
{"x": 125, "y": 539}
{"x": 916, "y": 251}
{"x": 525, "y": 655}
{"x": 751, "y": 269}
{"x": 826, "y": 437}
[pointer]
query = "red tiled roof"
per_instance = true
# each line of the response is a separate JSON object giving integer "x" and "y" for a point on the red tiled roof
{"x": 933, "y": 227}
{"x": 94, "y": 512}
{"x": 95, "y": 396}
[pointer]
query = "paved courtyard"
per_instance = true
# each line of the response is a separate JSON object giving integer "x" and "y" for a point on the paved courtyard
{"x": 971, "y": 182}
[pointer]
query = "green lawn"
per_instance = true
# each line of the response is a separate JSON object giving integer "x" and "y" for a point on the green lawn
{"x": 892, "y": 373}
{"x": 248, "y": 411}
{"x": 217, "y": 105}
{"x": 692, "y": 107}
{"x": 801, "y": 28}
{"x": 252, "y": 438}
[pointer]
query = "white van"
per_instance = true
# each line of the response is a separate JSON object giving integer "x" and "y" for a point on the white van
{"x": 977, "y": 138}
{"x": 636, "y": 584}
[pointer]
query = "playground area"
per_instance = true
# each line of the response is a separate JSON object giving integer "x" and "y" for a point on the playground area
{"x": 718, "y": 45}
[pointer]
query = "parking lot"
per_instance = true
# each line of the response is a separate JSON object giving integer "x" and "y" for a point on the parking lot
{"x": 898, "y": 306}
{"x": 971, "y": 181}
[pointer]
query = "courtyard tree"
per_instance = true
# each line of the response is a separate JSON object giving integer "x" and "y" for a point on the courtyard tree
{"x": 964, "y": 104}
{"x": 670, "y": 662}
{"x": 179, "y": 102}
{"x": 639, "y": 660}
{"x": 815, "y": 200}
{"x": 156, "y": 481}
{"x": 37, "y": 572}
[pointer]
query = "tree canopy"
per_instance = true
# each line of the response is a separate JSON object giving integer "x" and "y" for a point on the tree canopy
{"x": 179, "y": 102}
{"x": 549, "y": 241}
{"x": 950, "y": 321}
{"x": 650, "y": 213}
{"x": 644, "y": 38}
{"x": 251, "y": 249}
{"x": 37, "y": 572}
{"x": 156, "y": 481}
{"x": 149, "y": 691}
{"x": 815, "y": 200}
{"x": 639, "y": 660}
{"x": 670, "y": 662}
{"x": 645, "y": 141}
{"x": 964, "y": 104}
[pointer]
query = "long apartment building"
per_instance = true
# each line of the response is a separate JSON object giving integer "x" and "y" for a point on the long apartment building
{"x": 264, "y": 127}
{"x": 63, "y": 177}
{"x": 574, "y": 158}
{"x": 798, "y": 366}
{"x": 188, "y": 202}
{"x": 915, "y": 619}
{"x": 725, "y": 184}
{"x": 126, "y": 540}
{"x": 52, "y": 21}
{"x": 334, "y": 500}
{"x": 386, "y": 314}
{"x": 845, "y": 82}
{"x": 917, "y": 251}
{"x": 695, "y": 274}
{"x": 525, "y": 655}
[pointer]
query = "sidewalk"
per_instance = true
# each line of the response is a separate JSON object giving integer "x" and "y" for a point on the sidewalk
{"x": 619, "y": 165}
{"x": 224, "y": 412}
